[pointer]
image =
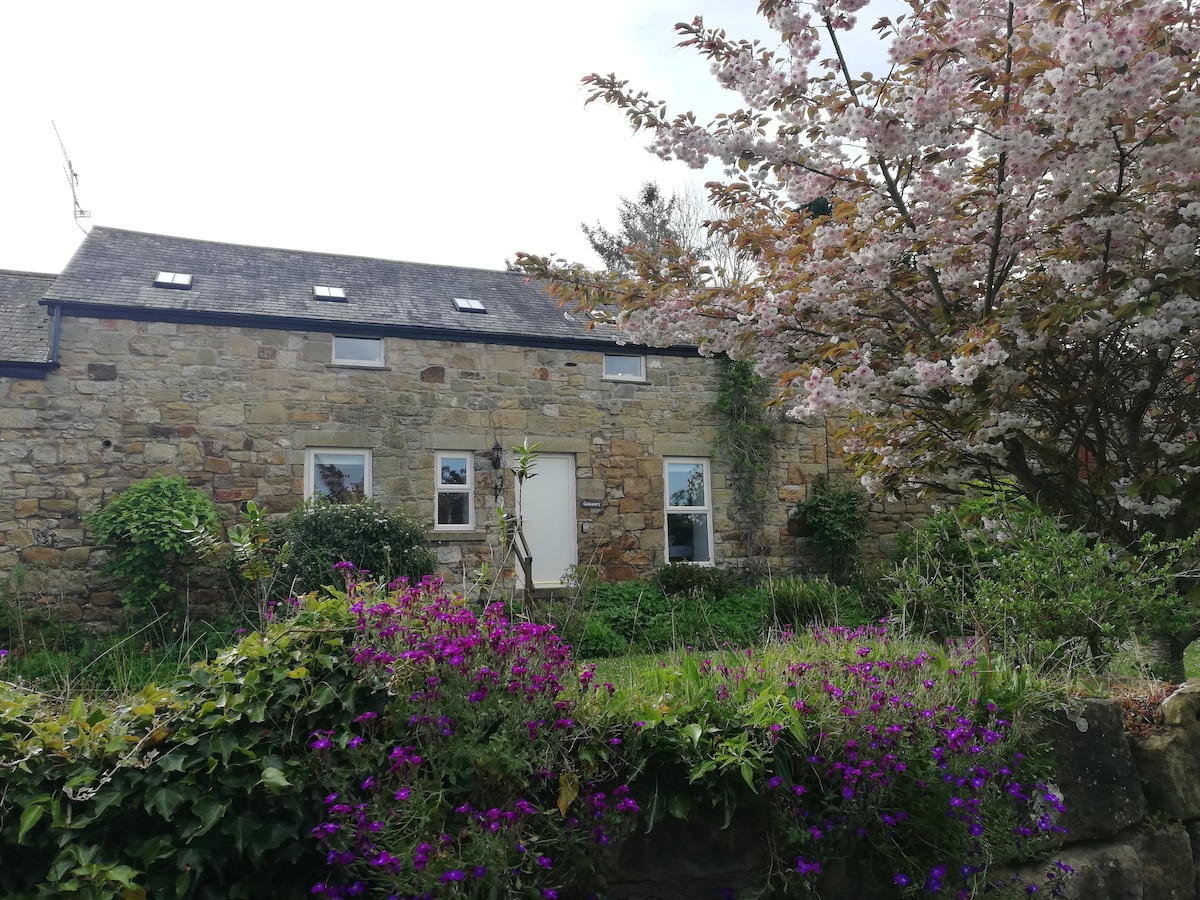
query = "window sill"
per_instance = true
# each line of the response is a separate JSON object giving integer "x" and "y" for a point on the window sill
{"x": 358, "y": 366}
{"x": 475, "y": 534}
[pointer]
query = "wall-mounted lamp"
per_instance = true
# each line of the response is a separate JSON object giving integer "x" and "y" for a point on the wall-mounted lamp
{"x": 497, "y": 472}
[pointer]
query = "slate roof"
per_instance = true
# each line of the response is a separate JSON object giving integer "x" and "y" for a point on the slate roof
{"x": 114, "y": 268}
{"x": 24, "y": 324}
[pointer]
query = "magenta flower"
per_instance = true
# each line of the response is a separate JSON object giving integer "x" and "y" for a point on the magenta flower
{"x": 807, "y": 867}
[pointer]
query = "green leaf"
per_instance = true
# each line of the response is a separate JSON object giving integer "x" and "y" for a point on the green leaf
{"x": 124, "y": 876}
{"x": 693, "y": 731}
{"x": 678, "y": 806}
{"x": 244, "y": 830}
{"x": 164, "y": 799}
{"x": 275, "y": 778}
{"x": 29, "y": 818}
{"x": 208, "y": 811}
{"x": 748, "y": 775}
{"x": 172, "y": 762}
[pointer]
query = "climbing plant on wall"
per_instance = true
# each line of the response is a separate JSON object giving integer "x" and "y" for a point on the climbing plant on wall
{"x": 745, "y": 442}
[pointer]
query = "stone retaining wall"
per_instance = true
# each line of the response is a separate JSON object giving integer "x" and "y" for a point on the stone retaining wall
{"x": 1133, "y": 823}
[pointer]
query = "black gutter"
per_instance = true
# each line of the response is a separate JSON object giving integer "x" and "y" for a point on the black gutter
{"x": 350, "y": 329}
{"x": 37, "y": 370}
{"x": 54, "y": 334}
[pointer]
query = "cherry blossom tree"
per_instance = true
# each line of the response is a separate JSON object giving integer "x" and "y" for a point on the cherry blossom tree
{"x": 985, "y": 257}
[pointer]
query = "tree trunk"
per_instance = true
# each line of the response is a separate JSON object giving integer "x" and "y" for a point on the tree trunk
{"x": 1165, "y": 653}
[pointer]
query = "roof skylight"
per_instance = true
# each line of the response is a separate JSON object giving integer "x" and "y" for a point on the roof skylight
{"x": 469, "y": 305}
{"x": 178, "y": 281}
{"x": 330, "y": 294}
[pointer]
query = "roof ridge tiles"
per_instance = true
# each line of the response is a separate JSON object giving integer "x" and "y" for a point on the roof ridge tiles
{"x": 317, "y": 253}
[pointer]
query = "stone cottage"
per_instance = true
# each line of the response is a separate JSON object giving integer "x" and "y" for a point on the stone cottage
{"x": 276, "y": 375}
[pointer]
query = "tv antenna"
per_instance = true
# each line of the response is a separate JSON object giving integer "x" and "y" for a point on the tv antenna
{"x": 72, "y": 180}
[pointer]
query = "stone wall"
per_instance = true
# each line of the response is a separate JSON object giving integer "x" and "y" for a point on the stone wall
{"x": 1132, "y": 820}
{"x": 235, "y": 409}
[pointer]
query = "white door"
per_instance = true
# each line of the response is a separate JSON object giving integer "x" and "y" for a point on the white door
{"x": 548, "y": 514}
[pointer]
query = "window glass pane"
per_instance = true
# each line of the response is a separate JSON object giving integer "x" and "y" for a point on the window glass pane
{"x": 453, "y": 470}
{"x": 352, "y": 349}
{"x": 453, "y": 508}
{"x": 624, "y": 366}
{"x": 685, "y": 484}
{"x": 687, "y": 537}
{"x": 341, "y": 477}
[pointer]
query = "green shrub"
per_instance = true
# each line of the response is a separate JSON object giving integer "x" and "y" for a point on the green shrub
{"x": 680, "y": 578}
{"x": 635, "y": 617}
{"x": 202, "y": 789}
{"x": 146, "y": 549}
{"x": 1042, "y": 595}
{"x": 933, "y": 581}
{"x": 597, "y": 640}
{"x": 252, "y": 562}
{"x": 388, "y": 544}
{"x": 803, "y": 602}
{"x": 835, "y": 516}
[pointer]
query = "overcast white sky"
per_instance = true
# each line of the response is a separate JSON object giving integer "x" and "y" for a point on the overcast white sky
{"x": 432, "y": 132}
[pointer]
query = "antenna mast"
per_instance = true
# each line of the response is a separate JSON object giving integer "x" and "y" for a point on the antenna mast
{"x": 72, "y": 180}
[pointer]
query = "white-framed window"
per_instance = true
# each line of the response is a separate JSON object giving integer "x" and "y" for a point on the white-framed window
{"x": 469, "y": 305}
{"x": 454, "y": 490}
{"x": 342, "y": 476}
{"x": 689, "y": 523}
{"x": 357, "y": 351}
{"x": 180, "y": 281}
{"x": 624, "y": 367}
{"x": 328, "y": 293}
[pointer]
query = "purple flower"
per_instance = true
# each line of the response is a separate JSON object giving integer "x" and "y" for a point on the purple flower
{"x": 900, "y": 879}
{"x": 807, "y": 867}
{"x": 452, "y": 875}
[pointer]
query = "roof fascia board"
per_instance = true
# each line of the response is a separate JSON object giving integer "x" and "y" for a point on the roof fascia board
{"x": 34, "y": 370}
{"x": 368, "y": 329}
